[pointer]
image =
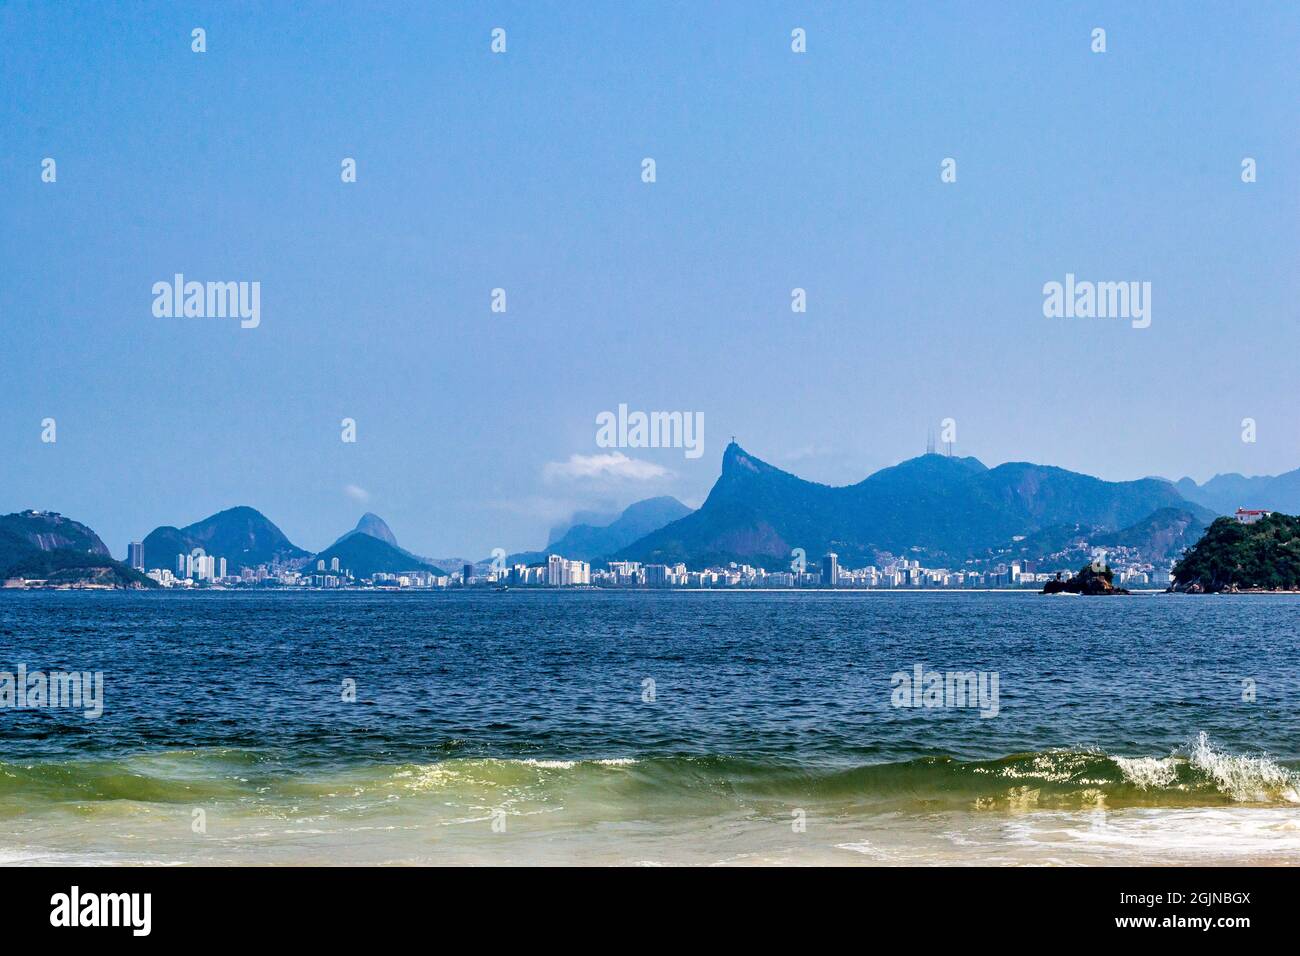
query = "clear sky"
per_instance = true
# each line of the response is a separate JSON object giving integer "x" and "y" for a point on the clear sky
{"x": 522, "y": 171}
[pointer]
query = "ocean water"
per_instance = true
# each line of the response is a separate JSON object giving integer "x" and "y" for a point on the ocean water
{"x": 653, "y": 728}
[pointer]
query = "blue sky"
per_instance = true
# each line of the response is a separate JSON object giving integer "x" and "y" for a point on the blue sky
{"x": 522, "y": 171}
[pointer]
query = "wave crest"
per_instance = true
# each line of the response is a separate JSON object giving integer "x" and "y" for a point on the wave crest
{"x": 1196, "y": 775}
{"x": 1240, "y": 777}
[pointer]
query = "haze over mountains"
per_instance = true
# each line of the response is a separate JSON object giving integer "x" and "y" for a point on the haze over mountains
{"x": 1226, "y": 493}
{"x": 939, "y": 509}
{"x": 596, "y": 536}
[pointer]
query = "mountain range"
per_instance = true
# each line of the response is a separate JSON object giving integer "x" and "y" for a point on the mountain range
{"x": 943, "y": 510}
{"x": 1160, "y": 537}
{"x": 246, "y": 538}
{"x": 1224, "y": 494}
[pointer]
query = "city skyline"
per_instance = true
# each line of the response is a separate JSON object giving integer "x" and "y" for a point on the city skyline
{"x": 197, "y": 567}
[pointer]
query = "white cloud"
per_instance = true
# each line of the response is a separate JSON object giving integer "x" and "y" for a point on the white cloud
{"x": 614, "y": 465}
{"x": 809, "y": 451}
{"x": 356, "y": 493}
{"x": 550, "y": 510}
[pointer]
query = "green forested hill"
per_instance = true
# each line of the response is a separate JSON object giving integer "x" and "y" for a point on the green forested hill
{"x": 1232, "y": 555}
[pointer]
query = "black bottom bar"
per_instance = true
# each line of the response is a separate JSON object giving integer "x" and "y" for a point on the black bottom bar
{"x": 337, "y": 906}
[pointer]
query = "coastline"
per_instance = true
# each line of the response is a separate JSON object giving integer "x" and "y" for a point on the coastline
{"x": 1131, "y": 592}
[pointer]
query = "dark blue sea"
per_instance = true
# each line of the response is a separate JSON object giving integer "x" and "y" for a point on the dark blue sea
{"x": 644, "y": 726}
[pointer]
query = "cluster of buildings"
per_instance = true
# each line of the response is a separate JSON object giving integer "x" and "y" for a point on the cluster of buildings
{"x": 561, "y": 572}
{"x": 198, "y": 569}
{"x": 898, "y": 573}
{"x": 200, "y": 566}
{"x": 196, "y": 566}
{"x": 558, "y": 571}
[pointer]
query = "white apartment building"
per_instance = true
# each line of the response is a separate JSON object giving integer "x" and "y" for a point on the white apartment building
{"x": 560, "y": 572}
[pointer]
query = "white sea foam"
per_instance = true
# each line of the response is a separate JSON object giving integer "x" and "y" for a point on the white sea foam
{"x": 1248, "y": 779}
{"x": 1148, "y": 773}
{"x": 865, "y": 848}
{"x": 1165, "y": 835}
{"x": 1242, "y": 778}
{"x": 445, "y": 773}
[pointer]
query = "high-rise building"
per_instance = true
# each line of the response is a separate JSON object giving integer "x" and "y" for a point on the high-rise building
{"x": 334, "y": 563}
{"x": 561, "y": 572}
{"x": 656, "y": 575}
{"x": 135, "y": 555}
{"x": 579, "y": 572}
{"x": 466, "y": 573}
{"x": 830, "y": 570}
{"x": 556, "y": 568}
{"x": 223, "y": 568}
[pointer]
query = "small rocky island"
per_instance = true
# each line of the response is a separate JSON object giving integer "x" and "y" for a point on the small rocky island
{"x": 1235, "y": 556}
{"x": 1090, "y": 580}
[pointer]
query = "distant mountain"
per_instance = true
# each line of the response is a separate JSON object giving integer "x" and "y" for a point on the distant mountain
{"x": 45, "y": 531}
{"x": 942, "y": 509}
{"x": 1159, "y": 537}
{"x": 374, "y": 526}
{"x": 1224, "y": 494}
{"x": 44, "y": 545}
{"x": 597, "y": 519}
{"x": 243, "y": 536}
{"x": 364, "y": 555}
{"x": 1058, "y": 545}
{"x": 584, "y": 542}
{"x": 454, "y": 563}
{"x": 587, "y": 542}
